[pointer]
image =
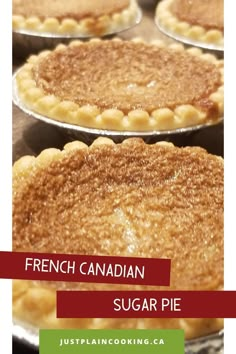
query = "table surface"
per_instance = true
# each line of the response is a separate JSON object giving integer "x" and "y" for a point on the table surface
{"x": 30, "y": 137}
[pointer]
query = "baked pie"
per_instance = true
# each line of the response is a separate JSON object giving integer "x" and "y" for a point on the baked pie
{"x": 129, "y": 199}
{"x": 198, "y": 20}
{"x": 73, "y": 17}
{"x": 124, "y": 85}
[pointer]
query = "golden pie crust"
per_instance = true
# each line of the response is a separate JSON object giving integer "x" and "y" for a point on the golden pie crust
{"x": 198, "y": 20}
{"x": 124, "y": 85}
{"x": 129, "y": 199}
{"x": 66, "y": 17}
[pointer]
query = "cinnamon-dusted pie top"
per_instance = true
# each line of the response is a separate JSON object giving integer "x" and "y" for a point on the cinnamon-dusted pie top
{"x": 128, "y": 200}
{"x": 62, "y": 9}
{"x": 206, "y": 13}
{"x": 127, "y": 76}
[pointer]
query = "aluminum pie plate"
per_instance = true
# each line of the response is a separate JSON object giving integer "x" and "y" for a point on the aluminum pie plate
{"x": 218, "y": 49}
{"x": 32, "y": 41}
{"x": 211, "y": 344}
{"x": 89, "y": 134}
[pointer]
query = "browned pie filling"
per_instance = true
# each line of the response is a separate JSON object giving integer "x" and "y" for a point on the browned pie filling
{"x": 127, "y": 76}
{"x": 206, "y": 13}
{"x": 62, "y": 9}
{"x": 128, "y": 200}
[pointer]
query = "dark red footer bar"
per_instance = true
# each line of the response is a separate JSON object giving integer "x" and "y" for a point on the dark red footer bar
{"x": 146, "y": 304}
{"x": 81, "y": 268}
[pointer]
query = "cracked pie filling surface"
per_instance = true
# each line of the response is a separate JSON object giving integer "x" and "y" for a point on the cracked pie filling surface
{"x": 124, "y": 85}
{"x": 198, "y": 20}
{"x": 86, "y": 17}
{"x": 129, "y": 199}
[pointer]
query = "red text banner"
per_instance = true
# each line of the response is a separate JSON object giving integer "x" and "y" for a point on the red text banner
{"x": 146, "y": 304}
{"x": 80, "y": 268}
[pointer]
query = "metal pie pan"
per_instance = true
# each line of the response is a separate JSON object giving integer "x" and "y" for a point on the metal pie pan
{"x": 26, "y": 41}
{"x": 211, "y": 344}
{"x": 88, "y": 135}
{"x": 217, "y": 49}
